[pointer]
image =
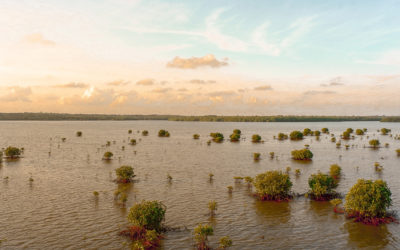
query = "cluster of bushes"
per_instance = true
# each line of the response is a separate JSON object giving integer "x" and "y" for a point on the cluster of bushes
{"x": 322, "y": 187}
{"x": 385, "y": 131}
{"x": 296, "y": 135}
{"x": 124, "y": 174}
{"x": 163, "y": 133}
{"x": 302, "y": 154}
{"x": 273, "y": 185}
{"x": 347, "y": 134}
{"x": 282, "y": 136}
{"x": 217, "y": 137}
{"x": 235, "y": 136}
{"x": 12, "y": 152}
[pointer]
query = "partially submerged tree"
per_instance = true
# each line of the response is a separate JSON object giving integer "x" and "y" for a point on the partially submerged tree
{"x": 133, "y": 142}
{"x": 148, "y": 214}
{"x": 201, "y": 233}
{"x": 374, "y": 143}
{"x": 12, "y": 152}
{"x": 359, "y": 132}
{"x": 145, "y": 133}
{"x": 256, "y": 138}
{"x": 296, "y": 135}
{"x": 325, "y": 130}
{"x": 282, "y": 136}
{"x": 163, "y": 133}
{"x": 124, "y": 174}
{"x": 321, "y": 187}
{"x": 385, "y": 131}
{"x": 256, "y": 156}
{"x": 307, "y": 131}
{"x": 273, "y": 185}
{"x": 108, "y": 155}
{"x": 217, "y": 137}
{"x": 368, "y": 201}
{"x": 212, "y": 206}
{"x": 79, "y": 133}
{"x": 302, "y": 154}
{"x": 196, "y": 136}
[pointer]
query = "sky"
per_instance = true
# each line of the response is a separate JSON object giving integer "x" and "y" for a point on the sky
{"x": 231, "y": 57}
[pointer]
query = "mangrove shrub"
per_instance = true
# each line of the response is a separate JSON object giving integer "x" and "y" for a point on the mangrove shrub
{"x": 302, "y": 154}
{"x": 148, "y": 214}
{"x": 273, "y": 185}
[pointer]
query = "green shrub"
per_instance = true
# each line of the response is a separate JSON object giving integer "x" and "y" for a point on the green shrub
{"x": 368, "y": 199}
{"x": 302, "y": 154}
{"x": 359, "y": 132}
{"x": 201, "y": 233}
{"x": 145, "y": 133}
{"x": 307, "y": 131}
{"x": 317, "y": 133}
{"x": 217, "y": 137}
{"x": 79, "y": 133}
{"x": 196, "y": 136}
{"x": 374, "y": 143}
{"x": 147, "y": 214}
{"x": 325, "y": 130}
{"x": 282, "y": 136}
{"x": 130, "y": 131}
{"x": 256, "y": 156}
{"x": 212, "y": 206}
{"x": 321, "y": 186}
{"x": 350, "y": 130}
{"x": 108, "y": 155}
{"x": 124, "y": 174}
{"x": 296, "y": 135}
{"x": 237, "y": 131}
{"x": 335, "y": 171}
{"x": 385, "y": 131}
{"x": 225, "y": 242}
{"x": 12, "y": 152}
{"x": 273, "y": 185}
{"x": 163, "y": 133}
{"x": 398, "y": 151}
{"x": 346, "y": 135}
{"x": 234, "y": 137}
{"x": 256, "y": 138}
{"x": 133, "y": 142}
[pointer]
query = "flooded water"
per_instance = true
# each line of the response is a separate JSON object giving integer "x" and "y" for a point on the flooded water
{"x": 59, "y": 211}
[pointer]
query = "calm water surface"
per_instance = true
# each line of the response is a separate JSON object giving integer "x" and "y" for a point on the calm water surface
{"x": 58, "y": 210}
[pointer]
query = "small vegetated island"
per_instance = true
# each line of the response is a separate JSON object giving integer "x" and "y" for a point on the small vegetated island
{"x": 273, "y": 186}
{"x": 12, "y": 152}
{"x": 217, "y": 137}
{"x": 322, "y": 187}
{"x": 124, "y": 174}
{"x": 256, "y": 138}
{"x": 108, "y": 156}
{"x": 296, "y": 135}
{"x": 235, "y": 136}
{"x": 368, "y": 201}
{"x": 302, "y": 154}
{"x": 163, "y": 133}
{"x": 146, "y": 230}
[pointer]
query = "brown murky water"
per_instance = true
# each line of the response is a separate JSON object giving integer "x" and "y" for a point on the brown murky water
{"x": 58, "y": 210}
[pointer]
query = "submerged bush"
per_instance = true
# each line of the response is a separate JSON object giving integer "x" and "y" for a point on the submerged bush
{"x": 225, "y": 242}
{"x": 398, "y": 152}
{"x": 256, "y": 138}
{"x": 359, "y": 132}
{"x": 282, "y": 136}
{"x": 212, "y": 206}
{"x": 374, "y": 143}
{"x": 196, "y": 136}
{"x": 79, "y": 133}
{"x": 201, "y": 233}
{"x": 302, "y": 154}
{"x": 237, "y": 131}
{"x": 12, "y": 152}
{"x": 256, "y": 156}
{"x": 335, "y": 171}
{"x": 124, "y": 174}
{"x": 148, "y": 214}
{"x": 273, "y": 185}
{"x": 346, "y": 135}
{"x": 368, "y": 200}
{"x": 145, "y": 133}
{"x": 296, "y": 135}
{"x": 385, "y": 131}
{"x": 234, "y": 137}
{"x": 317, "y": 133}
{"x": 325, "y": 130}
{"x": 108, "y": 155}
{"x": 163, "y": 133}
{"x": 307, "y": 131}
{"x": 217, "y": 137}
{"x": 321, "y": 186}
{"x": 133, "y": 142}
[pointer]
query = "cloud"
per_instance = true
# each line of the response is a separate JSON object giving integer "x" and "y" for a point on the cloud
{"x": 17, "y": 94}
{"x": 196, "y": 62}
{"x": 74, "y": 85}
{"x": 118, "y": 83}
{"x": 316, "y": 92}
{"x": 263, "y": 88}
{"x": 222, "y": 93}
{"x": 146, "y": 82}
{"x": 198, "y": 81}
{"x": 161, "y": 90}
{"x": 334, "y": 82}
{"x": 37, "y": 38}
{"x": 182, "y": 90}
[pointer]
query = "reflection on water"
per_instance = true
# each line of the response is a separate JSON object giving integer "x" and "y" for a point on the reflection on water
{"x": 361, "y": 236}
{"x": 273, "y": 213}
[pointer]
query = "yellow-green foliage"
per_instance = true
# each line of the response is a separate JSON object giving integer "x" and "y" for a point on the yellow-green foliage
{"x": 282, "y": 136}
{"x": 321, "y": 185}
{"x": 201, "y": 233}
{"x": 125, "y": 173}
{"x": 369, "y": 198}
{"x": 302, "y": 154}
{"x": 145, "y": 132}
{"x": 296, "y": 135}
{"x": 108, "y": 155}
{"x": 374, "y": 143}
{"x": 12, "y": 152}
{"x": 336, "y": 202}
{"x": 385, "y": 131}
{"x": 256, "y": 156}
{"x": 256, "y": 138}
{"x": 398, "y": 151}
{"x": 359, "y": 131}
{"x": 273, "y": 184}
{"x": 163, "y": 133}
{"x": 217, "y": 137}
{"x": 212, "y": 206}
{"x": 148, "y": 214}
{"x": 335, "y": 170}
{"x": 196, "y": 136}
{"x": 325, "y": 130}
{"x": 225, "y": 242}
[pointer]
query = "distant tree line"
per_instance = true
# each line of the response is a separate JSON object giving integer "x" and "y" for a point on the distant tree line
{"x": 205, "y": 118}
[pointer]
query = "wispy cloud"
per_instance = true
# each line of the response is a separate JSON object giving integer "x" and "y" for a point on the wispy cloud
{"x": 199, "y": 81}
{"x": 73, "y": 85}
{"x": 118, "y": 83}
{"x": 263, "y": 88}
{"x": 146, "y": 82}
